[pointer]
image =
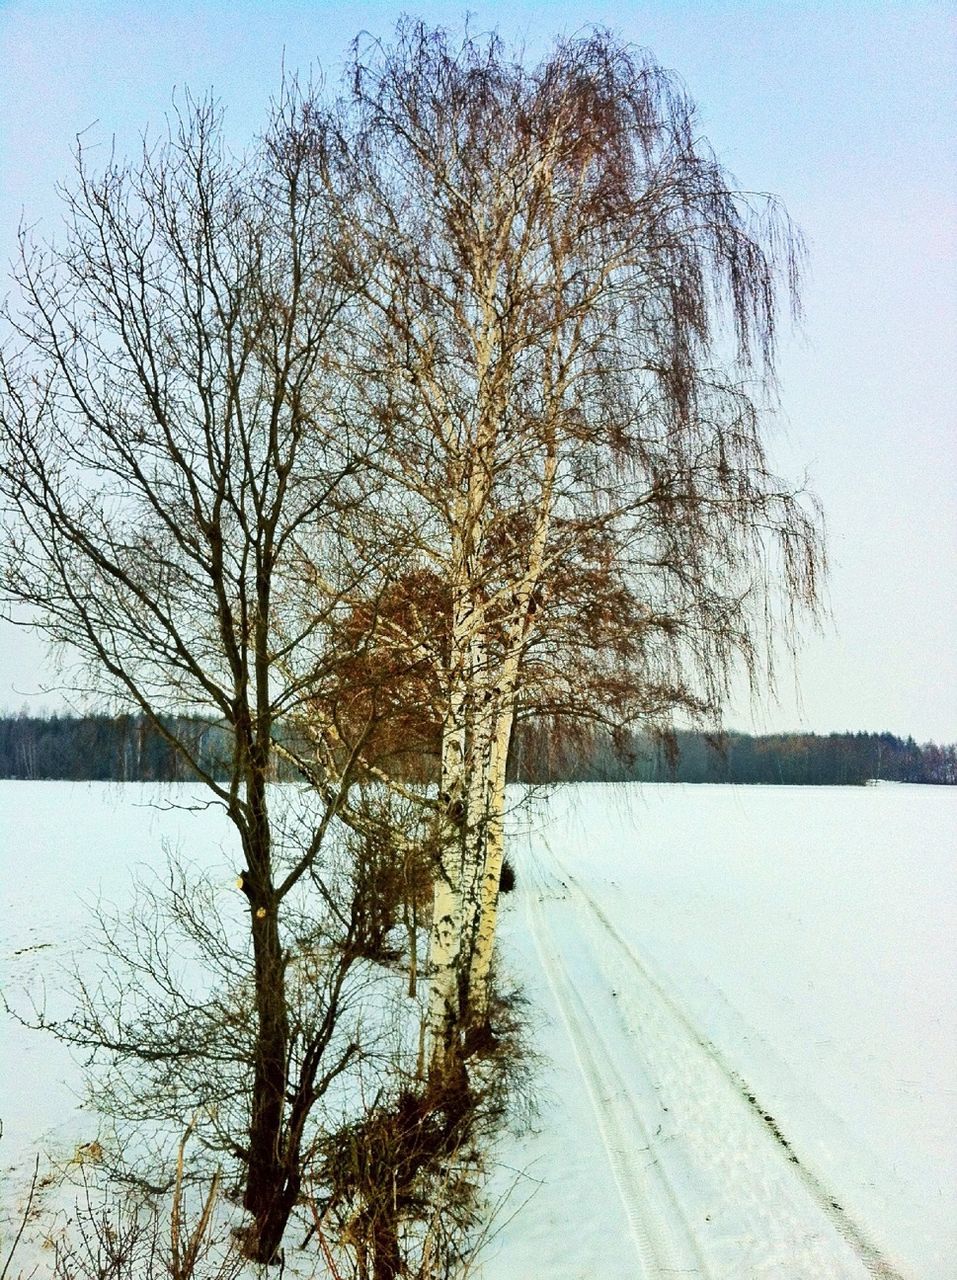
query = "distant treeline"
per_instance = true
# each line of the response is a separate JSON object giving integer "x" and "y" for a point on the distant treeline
{"x": 129, "y": 749}
{"x": 793, "y": 759}
{"x": 106, "y": 748}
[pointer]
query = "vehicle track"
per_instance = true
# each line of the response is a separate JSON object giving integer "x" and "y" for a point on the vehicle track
{"x": 663, "y": 1247}
{"x": 703, "y": 1151}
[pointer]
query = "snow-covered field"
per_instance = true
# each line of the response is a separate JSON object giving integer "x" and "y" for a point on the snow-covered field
{"x": 746, "y": 999}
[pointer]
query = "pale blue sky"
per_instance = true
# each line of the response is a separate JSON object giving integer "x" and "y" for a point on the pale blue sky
{"x": 845, "y": 110}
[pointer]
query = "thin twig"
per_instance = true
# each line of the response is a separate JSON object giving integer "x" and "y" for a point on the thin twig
{"x": 23, "y": 1217}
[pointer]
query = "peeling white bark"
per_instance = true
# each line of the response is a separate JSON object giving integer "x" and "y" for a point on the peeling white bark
{"x": 446, "y": 931}
{"x": 484, "y": 944}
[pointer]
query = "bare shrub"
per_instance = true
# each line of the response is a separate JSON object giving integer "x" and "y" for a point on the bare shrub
{"x": 399, "y": 1190}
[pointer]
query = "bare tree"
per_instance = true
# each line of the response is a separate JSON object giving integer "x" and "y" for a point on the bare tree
{"x": 175, "y": 478}
{"x": 568, "y": 344}
{"x": 442, "y": 413}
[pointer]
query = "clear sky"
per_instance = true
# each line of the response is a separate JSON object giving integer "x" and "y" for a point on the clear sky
{"x": 845, "y": 110}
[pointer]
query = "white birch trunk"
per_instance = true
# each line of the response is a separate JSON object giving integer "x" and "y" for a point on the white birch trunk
{"x": 463, "y": 747}
{"x": 481, "y": 729}
{"x": 484, "y": 945}
{"x": 457, "y": 899}
{"x": 445, "y": 936}
{"x": 503, "y": 696}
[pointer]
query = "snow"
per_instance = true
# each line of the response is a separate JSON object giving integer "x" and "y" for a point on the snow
{"x": 791, "y": 944}
{"x": 63, "y": 847}
{"x": 745, "y": 1002}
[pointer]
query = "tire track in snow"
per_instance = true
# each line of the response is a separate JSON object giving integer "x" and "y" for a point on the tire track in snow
{"x": 647, "y": 1198}
{"x": 867, "y": 1253}
{"x": 706, "y": 1155}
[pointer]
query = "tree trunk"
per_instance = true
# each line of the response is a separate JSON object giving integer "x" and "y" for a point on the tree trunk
{"x": 266, "y": 1177}
{"x": 386, "y": 1255}
{"x": 477, "y": 833}
{"x": 411, "y": 921}
{"x": 445, "y": 935}
{"x": 266, "y": 1170}
{"x": 270, "y": 1225}
{"x": 483, "y": 948}
{"x": 465, "y": 758}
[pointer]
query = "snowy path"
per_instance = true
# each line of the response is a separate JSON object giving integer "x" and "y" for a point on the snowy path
{"x": 663, "y": 1238}
{"x": 746, "y": 1039}
{"x": 710, "y": 1184}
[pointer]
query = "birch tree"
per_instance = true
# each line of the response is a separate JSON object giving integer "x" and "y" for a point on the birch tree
{"x": 568, "y": 344}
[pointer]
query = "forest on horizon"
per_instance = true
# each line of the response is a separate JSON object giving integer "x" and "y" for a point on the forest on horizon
{"x": 126, "y": 748}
